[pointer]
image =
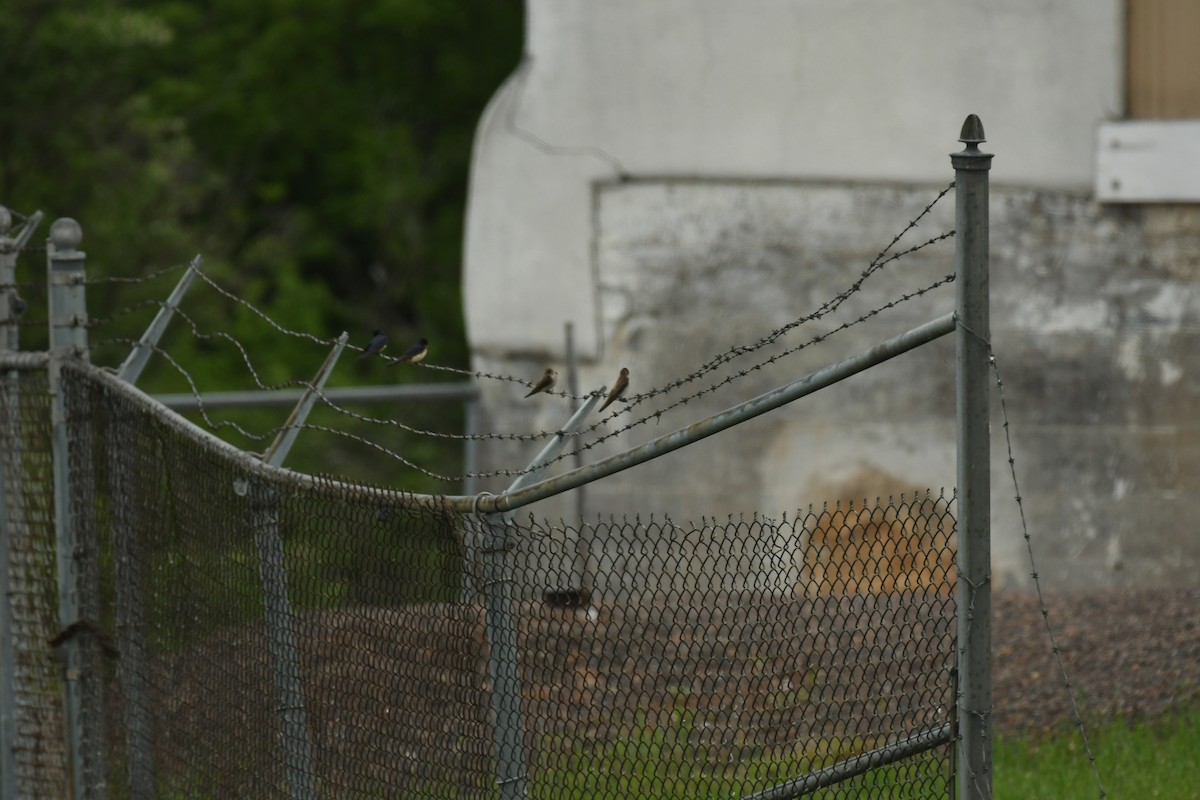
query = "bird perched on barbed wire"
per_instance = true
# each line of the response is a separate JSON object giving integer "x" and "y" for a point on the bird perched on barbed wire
{"x": 413, "y": 354}
{"x": 549, "y": 378}
{"x": 618, "y": 389}
{"x": 375, "y": 346}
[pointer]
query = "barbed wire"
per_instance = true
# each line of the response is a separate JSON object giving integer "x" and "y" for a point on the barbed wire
{"x": 829, "y": 306}
{"x": 135, "y": 279}
{"x": 312, "y": 426}
{"x": 736, "y": 351}
{"x": 485, "y": 375}
{"x": 340, "y": 409}
{"x": 824, "y": 310}
{"x": 99, "y": 322}
{"x": 265, "y": 317}
{"x": 1076, "y": 717}
{"x": 657, "y": 414}
{"x": 200, "y": 407}
{"x": 501, "y": 472}
{"x": 880, "y": 261}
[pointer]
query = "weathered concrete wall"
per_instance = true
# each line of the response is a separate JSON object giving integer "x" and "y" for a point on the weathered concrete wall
{"x": 716, "y": 234}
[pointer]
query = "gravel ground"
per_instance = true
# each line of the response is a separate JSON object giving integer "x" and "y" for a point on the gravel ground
{"x": 1130, "y": 654}
{"x": 401, "y": 696}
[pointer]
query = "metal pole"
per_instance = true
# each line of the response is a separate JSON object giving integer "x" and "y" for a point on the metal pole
{"x": 12, "y": 512}
{"x": 136, "y": 362}
{"x": 413, "y": 392}
{"x": 8, "y": 688}
{"x": 581, "y": 576}
{"x": 8, "y": 466}
{"x": 856, "y": 765}
{"x": 974, "y": 466}
{"x": 471, "y": 447}
{"x": 68, "y": 340}
{"x": 501, "y": 626}
{"x": 11, "y": 304}
{"x": 467, "y": 587}
{"x": 285, "y": 655}
{"x": 272, "y": 567}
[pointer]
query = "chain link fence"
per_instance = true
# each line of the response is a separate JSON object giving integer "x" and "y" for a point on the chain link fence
{"x": 248, "y": 632}
{"x": 31, "y": 675}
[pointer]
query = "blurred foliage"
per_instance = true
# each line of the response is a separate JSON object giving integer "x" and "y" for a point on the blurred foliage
{"x": 315, "y": 153}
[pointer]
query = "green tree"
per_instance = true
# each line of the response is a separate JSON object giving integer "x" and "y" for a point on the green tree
{"x": 316, "y": 153}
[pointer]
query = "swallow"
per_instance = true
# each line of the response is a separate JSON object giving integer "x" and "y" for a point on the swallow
{"x": 618, "y": 389}
{"x": 376, "y": 345}
{"x": 413, "y": 354}
{"x": 546, "y": 383}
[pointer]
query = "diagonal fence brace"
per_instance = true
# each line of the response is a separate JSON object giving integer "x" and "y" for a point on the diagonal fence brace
{"x": 555, "y": 446}
{"x": 132, "y": 368}
{"x": 277, "y": 452}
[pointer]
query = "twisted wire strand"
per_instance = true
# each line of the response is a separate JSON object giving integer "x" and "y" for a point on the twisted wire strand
{"x": 265, "y": 317}
{"x": 879, "y": 262}
{"x": 99, "y": 322}
{"x": 657, "y": 414}
{"x": 135, "y": 279}
{"x": 200, "y": 407}
{"x": 826, "y": 308}
{"x": 386, "y": 421}
{"x": 376, "y": 446}
{"x": 1076, "y": 717}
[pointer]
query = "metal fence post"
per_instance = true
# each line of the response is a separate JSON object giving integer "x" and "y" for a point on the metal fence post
{"x": 974, "y": 780}
{"x": 580, "y": 575}
{"x": 8, "y": 391}
{"x": 68, "y": 339}
{"x": 501, "y": 624}
{"x": 280, "y": 619}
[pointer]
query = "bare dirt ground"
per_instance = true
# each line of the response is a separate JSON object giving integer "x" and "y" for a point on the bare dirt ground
{"x": 1130, "y": 654}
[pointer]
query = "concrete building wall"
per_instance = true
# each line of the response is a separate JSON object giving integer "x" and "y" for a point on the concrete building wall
{"x": 678, "y": 178}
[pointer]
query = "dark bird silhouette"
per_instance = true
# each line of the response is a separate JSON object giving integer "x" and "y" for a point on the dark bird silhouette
{"x": 375, "y": 346}
{"x": 549, "y": 378}
{"x": 413, "y": 354}
{"x": 618, "y": 389}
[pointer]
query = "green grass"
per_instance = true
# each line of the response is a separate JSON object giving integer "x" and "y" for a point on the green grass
{"x": 1156, "y": 759}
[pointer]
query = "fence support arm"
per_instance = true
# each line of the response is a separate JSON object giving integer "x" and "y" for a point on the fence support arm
{"x": 131, "y": 370}
{"x": 278, "y": 450}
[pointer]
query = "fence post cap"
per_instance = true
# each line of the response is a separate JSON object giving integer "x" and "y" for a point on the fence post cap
{"x": 66, "y": 234}
{"x": 972, "y": 131}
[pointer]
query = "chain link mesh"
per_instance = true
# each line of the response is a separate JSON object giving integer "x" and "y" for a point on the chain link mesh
{"x": 30, "y": 585}
{"x": 255, "y": 633}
